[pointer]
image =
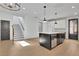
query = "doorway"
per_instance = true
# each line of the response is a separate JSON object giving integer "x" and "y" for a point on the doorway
{"x": 5, "y": 30}
{"x": 73, "y": 29}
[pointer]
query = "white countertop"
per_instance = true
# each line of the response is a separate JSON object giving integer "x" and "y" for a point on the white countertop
{"x": 51, "y": 32}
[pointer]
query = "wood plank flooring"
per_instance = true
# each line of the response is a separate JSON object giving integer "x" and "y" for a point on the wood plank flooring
{"x": 12, "y": 48}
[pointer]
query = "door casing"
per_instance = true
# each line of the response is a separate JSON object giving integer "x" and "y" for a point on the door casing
{"x": 5, "y": 30}
{"x": 75, "y": 37}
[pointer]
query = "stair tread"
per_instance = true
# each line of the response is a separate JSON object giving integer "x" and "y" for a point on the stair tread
{"x": 18, "y": 34}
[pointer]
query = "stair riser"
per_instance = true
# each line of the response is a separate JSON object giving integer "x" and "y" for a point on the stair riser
{"x": 18, "y": 34}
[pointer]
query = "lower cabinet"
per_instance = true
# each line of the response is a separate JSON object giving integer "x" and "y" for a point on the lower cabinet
{"x": 50, "y": 41}
{"x": 54, "y": 42}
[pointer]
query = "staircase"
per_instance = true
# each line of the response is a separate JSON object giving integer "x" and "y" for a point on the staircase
{"x": 17, "y": 32}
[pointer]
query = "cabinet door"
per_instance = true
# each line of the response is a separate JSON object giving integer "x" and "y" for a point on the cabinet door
{"x": 40, "y": 27}
{"x": 53, "y": 40}
{"x": 51, "y": 26}
{"x": 60, "y": 24}
{"x": 45, "y": 40}
{"x": 45, "y": 26}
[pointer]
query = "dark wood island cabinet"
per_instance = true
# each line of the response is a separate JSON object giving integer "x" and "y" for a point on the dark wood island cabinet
{"x": 51, "y": 40}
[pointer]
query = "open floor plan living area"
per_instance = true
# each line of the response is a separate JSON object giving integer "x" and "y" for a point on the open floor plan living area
{"x": 39, "y": 29}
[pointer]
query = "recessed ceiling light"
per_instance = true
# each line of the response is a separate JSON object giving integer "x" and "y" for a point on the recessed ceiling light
{"x": 24, "y": 8}
{"x": 73, "y": 7}
{"x": 35, "y": 12}
{"x": 75, "y": 13}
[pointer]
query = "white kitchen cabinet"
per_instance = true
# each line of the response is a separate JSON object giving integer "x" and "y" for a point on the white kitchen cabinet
{"x": 60, "y": 24}
{"x": 51, "y": 26}
{"x": 59, "y": 27}
{"x": 40, "y": 27}
{"x": 45, "y": 26}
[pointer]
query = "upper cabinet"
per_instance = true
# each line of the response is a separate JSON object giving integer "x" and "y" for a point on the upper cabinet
{"x": 45, "y": 26}
{"x": 60, "y": 24}
{"x": 52, "y": 27}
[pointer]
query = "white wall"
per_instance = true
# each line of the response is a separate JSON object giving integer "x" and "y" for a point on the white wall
{"x": 78, "y": 28}
{"x": 31, "y": 24}
{"x": 61, "y": 26}
{"x": 67, "y": 25}
{"x": 0, "y": 30}
{"x": 9, "y": 17}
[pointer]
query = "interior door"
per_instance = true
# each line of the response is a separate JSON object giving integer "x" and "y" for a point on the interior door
{"x": 5, "y": 30}
{"x": 73, "y": 29}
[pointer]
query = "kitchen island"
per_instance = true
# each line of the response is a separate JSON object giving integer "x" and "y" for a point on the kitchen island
{"x": 51, "y": 40}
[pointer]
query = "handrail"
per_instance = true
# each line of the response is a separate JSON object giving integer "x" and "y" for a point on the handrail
{"x": 21, "y": 25}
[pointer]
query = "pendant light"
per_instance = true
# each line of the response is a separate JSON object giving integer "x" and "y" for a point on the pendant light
{"x": 44, "y": 13}
{"x": 55, "y": 20}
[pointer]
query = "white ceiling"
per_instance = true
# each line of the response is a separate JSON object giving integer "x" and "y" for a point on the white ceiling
{"x": 35, "y": 10}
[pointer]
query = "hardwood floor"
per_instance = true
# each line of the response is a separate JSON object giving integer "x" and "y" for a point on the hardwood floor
{"x": 12, "y": 48}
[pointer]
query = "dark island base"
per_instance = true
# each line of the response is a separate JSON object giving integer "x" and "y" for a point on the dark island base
{"x": 50, "y": 48}
{"x": 51, "y": 41}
